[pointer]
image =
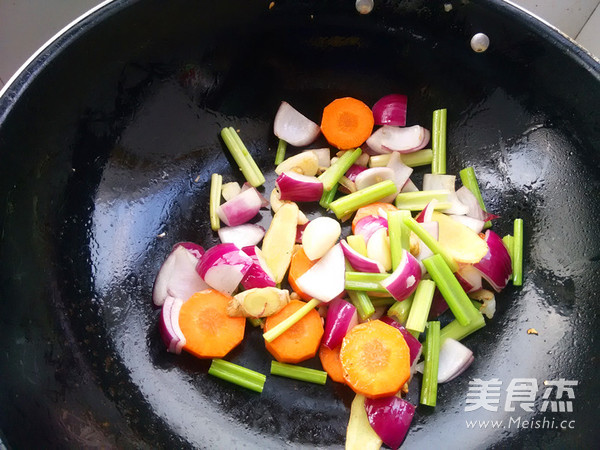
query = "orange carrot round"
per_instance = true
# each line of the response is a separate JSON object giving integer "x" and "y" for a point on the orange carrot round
{"x": 301, "y": 341}
{"x": 374, "y": 209}
{"x": 209, "y": 332}
{"x": 299, "y": 264}
{"x": 347, "y": 123}
{"x": 330, "y": 360}
{"x": 375, "y": 359}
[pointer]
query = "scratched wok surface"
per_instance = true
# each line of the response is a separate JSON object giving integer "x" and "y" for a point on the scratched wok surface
{"x": 108, "y": 140}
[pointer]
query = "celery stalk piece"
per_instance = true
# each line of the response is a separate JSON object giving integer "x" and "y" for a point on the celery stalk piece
{"x": 517, "y": 277}
{"x": 242, "y": 157}
{"x": 363, "y": 304}
{"x": 351, "y": 202}
{"x": 431, "y": 351}
{"x": 416, "y": 201}
{"x": 401, "y": 310}
{"x": 469, "y": 180}
{"x": 458, "y": 332}
{"x": 216, "y": 181}
{"x": 362, "y": 281}
{"x": 286, "y": 324}
{"x": 419, "y": 158}
{"x": 399, "y": 235}
{"x": 357, "y": 242}
{"x": 298, "y": 372}
{"x": 338, "y": 169}
{"x": 281, "y": 149}
{"x": 236, "y": 374}
{"x": 450, "y": 288}
{"x": 328, "y": 197}
{"x": 419, "y": 311}
{"x": 383, "y": 301}
{"x": 438, "y": 141}
{"x": 413, "y": 159}
{"x": 508, "y": 241}
{"x": 430, "y": 242}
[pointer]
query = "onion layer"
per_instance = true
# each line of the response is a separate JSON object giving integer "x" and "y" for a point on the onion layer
{"x": 390, "y": 417}
{"x": 299, "y": 188}
{"x": 293, "y": 127}
{"x": 341, "y": 315}
{"x": 391, "y": 110}
{"x": 404, "y": 280}
{"x": 241, "y": 208}
{"x": 496, "y": 265}
{"x": 359, "y": 262}
{"x": 177, "y": 276}
{"x": 223, "y": 267}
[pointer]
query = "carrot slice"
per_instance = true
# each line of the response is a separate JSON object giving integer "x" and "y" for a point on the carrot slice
{"x": 347, "y": 123}
{"x": 374, "y": 209}
{"x": 375, "y": 359}
{"x": 208, "y": 330}
{"x": 301, "y": 341}
{"x": 330, "y": 360}
{"x": 299, "y": 264}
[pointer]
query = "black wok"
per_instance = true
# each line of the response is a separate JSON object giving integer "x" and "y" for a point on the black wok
{"x": 108, "y": 139}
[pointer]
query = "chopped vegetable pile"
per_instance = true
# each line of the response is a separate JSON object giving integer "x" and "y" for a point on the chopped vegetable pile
{"x": 368, "y": 302}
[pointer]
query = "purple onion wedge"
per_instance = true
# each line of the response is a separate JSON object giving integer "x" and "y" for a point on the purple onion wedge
{"x": 259, "y": 275}
{"x": 404, "y": 280}
{"x": 454, "y": 359}
{"x": 390, "y": 417}
{"x": 495, "y": 266}
{"x": 359, "y": 262}
{"x": 341, "y": 316}
{"x": 391, "y": 110}
{"x": 177, "y": 276}
{"x": 299, "y": 188}
{"x": 223, "y": 267}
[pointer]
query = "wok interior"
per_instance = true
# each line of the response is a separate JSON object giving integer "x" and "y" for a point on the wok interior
{"x": 117, "y": 171}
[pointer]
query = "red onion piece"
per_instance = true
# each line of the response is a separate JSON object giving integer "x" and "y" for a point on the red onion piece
{"x": 359, "y": 262}
{"x": 402, "y": 172}
{"x": 242, "y": 235}
{"x": 455, "y": 358}
{"x": 353, "y": 171}
{"x": 241, "y": 208}
{"x": 438, "y": 306}
{"x": 475, "y": 211}
{"x": 409, "y": 186}
{"x": 223, "y": 267}
{"x": 169, "y": 325}
{"x": 299, "y": 188}
{"x": 469, "y": 278}
{"x": 374, "y": 145}
{"x": 326, "y": 279}
{"x": 425, "y": 215}
{"x": 368, "y": 225}
{"x": 403, "y": 140}
{"x": 300, "y": 232}
{"x": 391, "y": 110}
{"x": 259, "y": 275}
{"x": 434, "y": 182}
{"x": 413, "y": 343}
{"x": 293, "y": 127}
{"x": 192, "y": 247}
{"x": 474, "y": 224}
{"x": 404, "y": 280}
{"x": 177, "y": 276}
{"x": 264, "y": 200}
{"x": 390, "y": 418}
{"x": 495, "y": 266}
{"x": 340, "y": 316}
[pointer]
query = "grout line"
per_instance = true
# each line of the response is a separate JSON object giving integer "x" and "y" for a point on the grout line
{"x": 587, "y": 20}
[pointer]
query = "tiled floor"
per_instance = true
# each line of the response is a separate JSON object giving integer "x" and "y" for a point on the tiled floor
{"x": 26, "y": 24}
